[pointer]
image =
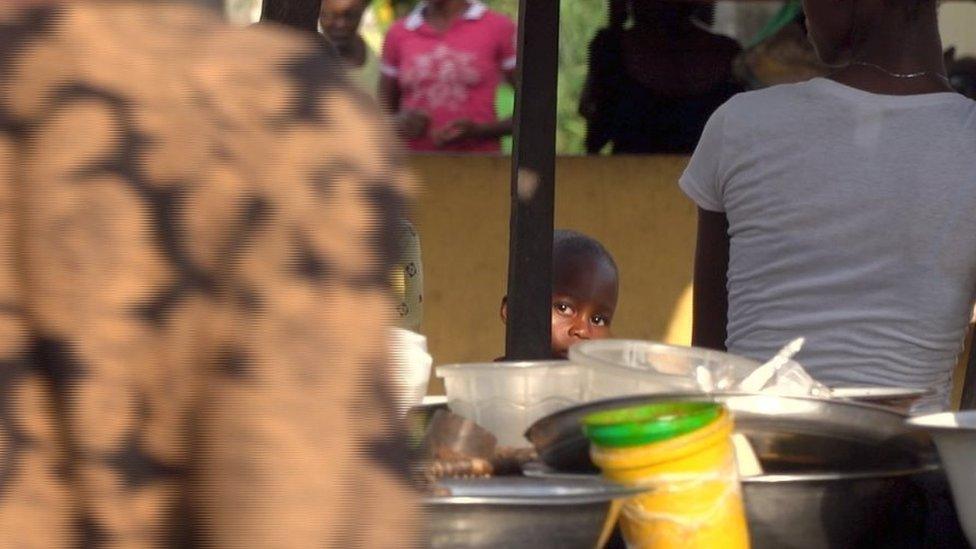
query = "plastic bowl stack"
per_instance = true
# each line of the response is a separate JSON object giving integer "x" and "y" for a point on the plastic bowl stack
{"x": 618, "y": 367}
{"x": 507, "y": 397}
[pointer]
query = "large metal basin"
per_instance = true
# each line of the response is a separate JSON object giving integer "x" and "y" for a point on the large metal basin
{"x": 522, "y": 512}
{"x": 836, "y": 474}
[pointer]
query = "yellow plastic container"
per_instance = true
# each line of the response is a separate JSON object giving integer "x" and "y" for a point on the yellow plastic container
{"x": 696, "y": 500}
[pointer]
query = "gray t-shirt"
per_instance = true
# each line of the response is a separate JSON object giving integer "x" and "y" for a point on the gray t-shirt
{"x": 852, "y": 221}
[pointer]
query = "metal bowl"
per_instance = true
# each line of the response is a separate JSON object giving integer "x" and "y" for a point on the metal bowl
{"x": 523, "y": 512}
{"x": 835, "y": 474}
{"x": 898, "y": 398}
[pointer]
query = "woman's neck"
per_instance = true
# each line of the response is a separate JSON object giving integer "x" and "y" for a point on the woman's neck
{"x": 898, "y": 47}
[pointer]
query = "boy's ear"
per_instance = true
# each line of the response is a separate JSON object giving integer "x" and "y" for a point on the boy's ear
{"x": 503, "y": 312}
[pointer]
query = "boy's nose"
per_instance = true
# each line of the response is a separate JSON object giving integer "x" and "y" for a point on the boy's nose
{"x": 580, "y": 329}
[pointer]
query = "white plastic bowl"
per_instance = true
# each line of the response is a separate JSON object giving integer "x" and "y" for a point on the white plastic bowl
{"x": 409, "y": 351}
{"x": 620, "y": 367}
{"x": 955, "y": 437}
{"x": 507, "y": 397}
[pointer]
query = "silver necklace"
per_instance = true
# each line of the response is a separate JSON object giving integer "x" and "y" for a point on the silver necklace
{"x": 903, "y": 75}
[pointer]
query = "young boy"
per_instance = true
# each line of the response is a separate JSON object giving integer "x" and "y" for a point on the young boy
{"x": 843, "y": 209}
{"x": 584, "y": 291}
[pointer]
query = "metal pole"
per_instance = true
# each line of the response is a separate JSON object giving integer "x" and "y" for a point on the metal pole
{"x": 527, "y": 335}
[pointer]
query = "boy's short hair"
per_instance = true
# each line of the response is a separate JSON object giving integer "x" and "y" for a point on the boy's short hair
{"x": 566, "y": 244}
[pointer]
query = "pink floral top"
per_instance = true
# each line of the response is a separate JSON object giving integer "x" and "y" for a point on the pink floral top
{"x": 452, "y": 74}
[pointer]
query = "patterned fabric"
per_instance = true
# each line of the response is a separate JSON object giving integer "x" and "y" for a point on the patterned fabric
{"x": 408, "y": 279}
{"x": 196, "y": 225}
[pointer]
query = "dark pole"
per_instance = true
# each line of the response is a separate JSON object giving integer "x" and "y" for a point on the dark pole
{"x": 299, "y": 14}
{"x": 968, "y": 401}
{"x": 527, "y": 335}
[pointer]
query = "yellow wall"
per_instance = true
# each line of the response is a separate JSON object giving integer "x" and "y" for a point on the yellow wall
{"x": 957, "y": 21}
{"x": 631, "y": 204}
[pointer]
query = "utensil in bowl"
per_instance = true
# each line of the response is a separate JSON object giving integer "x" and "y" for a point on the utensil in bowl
{"x": 523, "y": 512}
{"x": 620, "y": 367}
{"x": 761, "y": 375}
{"x": 955, "y": 438}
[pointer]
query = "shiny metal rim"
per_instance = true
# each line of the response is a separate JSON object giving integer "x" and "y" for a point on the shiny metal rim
{"x": 609, "y": 493}
{"x": 826, "y": 477}
{"x": 540, "y": 471}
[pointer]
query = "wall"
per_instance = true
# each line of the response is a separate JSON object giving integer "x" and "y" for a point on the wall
{"x": 957, "y": 22}
{"x": 631, "y": 204}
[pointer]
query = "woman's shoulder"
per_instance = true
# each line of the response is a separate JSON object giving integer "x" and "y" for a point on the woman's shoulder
{"x": 765, "y": 101}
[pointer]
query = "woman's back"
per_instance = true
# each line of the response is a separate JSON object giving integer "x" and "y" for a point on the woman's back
{"x": 852, "y": 222}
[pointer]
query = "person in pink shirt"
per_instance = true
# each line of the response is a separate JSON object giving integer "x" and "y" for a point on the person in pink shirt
{"x": 440, "y": 69}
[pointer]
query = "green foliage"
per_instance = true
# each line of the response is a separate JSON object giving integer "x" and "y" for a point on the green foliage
{"x": 578, "y": 22}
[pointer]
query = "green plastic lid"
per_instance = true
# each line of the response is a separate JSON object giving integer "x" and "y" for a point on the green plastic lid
{"x": 649, "y": 423}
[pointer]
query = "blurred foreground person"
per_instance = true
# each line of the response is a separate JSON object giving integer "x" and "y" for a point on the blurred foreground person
{"x": 197, "y": 229}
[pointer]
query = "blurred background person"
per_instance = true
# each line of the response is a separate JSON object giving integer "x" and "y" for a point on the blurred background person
{"x": 962, "y": 73}
{"x": 441, "y": 68}
{"x": 655, "y": 83}
{"x": 339, "y": 22}
{"x": 780, "y": 53}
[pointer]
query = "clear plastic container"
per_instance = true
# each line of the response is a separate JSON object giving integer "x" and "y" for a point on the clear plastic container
{"x": 507, "y": 397}
{"x": 618, "y": 367}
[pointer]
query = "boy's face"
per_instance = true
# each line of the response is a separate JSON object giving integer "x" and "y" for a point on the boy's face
{"x": 340, "y": 19}
{"x": 584, "y": 299}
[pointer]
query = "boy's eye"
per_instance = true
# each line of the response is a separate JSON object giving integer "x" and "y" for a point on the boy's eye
{"x": 563, "y": 308}
{"x": 600, "y": 320}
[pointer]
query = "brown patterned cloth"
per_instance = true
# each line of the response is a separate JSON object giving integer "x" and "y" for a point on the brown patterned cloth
{"x": 196, "y": 231}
